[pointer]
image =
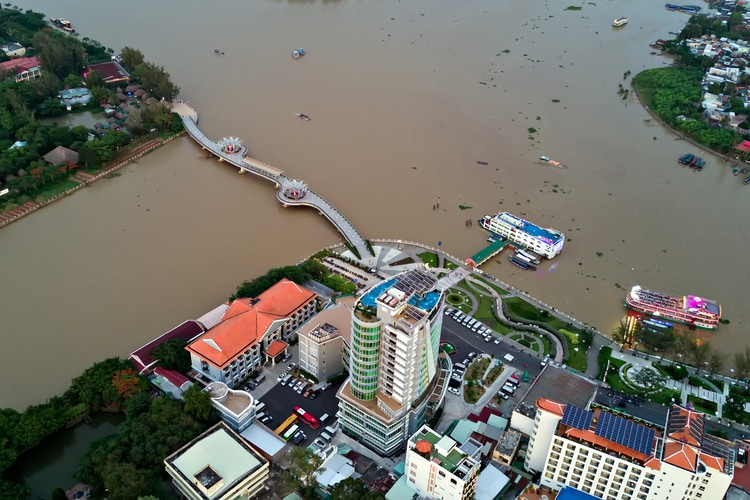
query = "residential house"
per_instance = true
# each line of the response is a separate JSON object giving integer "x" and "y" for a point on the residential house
{"x": 111, "y": 71}
{"x": 23, "y": 69}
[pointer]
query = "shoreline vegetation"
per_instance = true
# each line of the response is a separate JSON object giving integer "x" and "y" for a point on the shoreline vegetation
{"x": 41, "y": 161}
{"x": 673, "y": 94}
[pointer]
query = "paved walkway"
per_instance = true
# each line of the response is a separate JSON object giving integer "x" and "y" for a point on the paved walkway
{"x": 284, "y": 184}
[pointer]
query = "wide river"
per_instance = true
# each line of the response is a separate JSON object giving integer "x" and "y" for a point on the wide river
{"x": 405, "y": 98}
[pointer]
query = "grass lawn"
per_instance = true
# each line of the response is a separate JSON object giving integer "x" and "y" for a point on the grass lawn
{"x": 492, "y": 285}
{"x": 339, "y": 283}
{"x": 703, "y": 405}
{"x": 577, "y": 359}
{"x": 429, "y": 258}
{"x": 450, "y": 265}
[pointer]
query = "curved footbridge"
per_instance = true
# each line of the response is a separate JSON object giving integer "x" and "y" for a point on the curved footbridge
{"x": 290, "y": 192}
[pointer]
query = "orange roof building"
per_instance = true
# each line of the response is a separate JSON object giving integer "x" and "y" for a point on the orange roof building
{"x": 251, "y": 331}
{"x": 620, "y": 457}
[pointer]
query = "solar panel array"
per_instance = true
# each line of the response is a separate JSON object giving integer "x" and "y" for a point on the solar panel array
{"x": 625, "y": 432}
{"x": 416, "y": 281}
{"x": 577, "y": 417}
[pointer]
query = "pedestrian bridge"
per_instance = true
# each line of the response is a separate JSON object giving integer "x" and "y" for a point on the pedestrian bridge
{"x": 290, "y": 192}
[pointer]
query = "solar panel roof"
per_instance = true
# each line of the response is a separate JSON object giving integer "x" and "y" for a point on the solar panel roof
{"x": 577, "y": 417}
{"x": 625, "y": 432}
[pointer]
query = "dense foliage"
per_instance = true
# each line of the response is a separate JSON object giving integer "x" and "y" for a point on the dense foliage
{"x": 131, "y": 464}
{"x": 674, "y": 95}
{"x": 260, "y": 284}
{"x": 172, "y": 355}
{"x": 63, "y": 58}
{"x": 354, "y": 489}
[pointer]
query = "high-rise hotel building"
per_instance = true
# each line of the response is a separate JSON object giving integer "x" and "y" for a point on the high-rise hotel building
{"x": 397, "y": 376}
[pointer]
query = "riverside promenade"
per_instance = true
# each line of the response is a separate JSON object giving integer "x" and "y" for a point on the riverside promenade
{"x": 290, "y": 192}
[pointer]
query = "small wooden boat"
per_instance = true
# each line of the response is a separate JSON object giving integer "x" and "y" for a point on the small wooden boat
{"x": 482, "y": 162}
{"x": 304, "y": 117}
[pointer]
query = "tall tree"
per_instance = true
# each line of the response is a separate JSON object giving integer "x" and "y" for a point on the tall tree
{"x": 156, "y": 81}
{"x": 198, "y": 404}
{"x": 131, "y": 58}
{"x": 58, "y": 53}
{"x": 354, "y": 489}
{"x": 172, "y": 354}
{"x": 304, "y": 466}
{"x": 715, "y": 362}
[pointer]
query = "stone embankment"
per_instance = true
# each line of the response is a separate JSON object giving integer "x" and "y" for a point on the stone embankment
{"x": 84, "y": 179}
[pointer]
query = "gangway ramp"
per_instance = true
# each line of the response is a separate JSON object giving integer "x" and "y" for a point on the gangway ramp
{"x": 487, "y": 253}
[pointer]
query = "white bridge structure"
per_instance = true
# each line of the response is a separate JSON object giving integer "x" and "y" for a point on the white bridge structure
{"x": 290, "y": 192}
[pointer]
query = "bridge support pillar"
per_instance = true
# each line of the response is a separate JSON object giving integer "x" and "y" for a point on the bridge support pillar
{"x": 221, "y": 159}
{"x": 284, "y": 205}
{"x": 242, "y": 171}
{"x": 277, "y": 185}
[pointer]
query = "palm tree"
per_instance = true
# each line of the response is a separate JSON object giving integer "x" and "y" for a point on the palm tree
{"x": 620, "y": 333}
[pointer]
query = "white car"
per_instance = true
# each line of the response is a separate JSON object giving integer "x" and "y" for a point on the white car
{"x": 498, "y": 340}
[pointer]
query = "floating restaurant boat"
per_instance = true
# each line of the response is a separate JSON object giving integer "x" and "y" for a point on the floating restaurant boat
{"x": 506, "y": 226}
{"x": 689, "y": 309}
{"x": 620, "y": 21}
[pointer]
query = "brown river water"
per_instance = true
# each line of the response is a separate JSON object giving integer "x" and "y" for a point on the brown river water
{"x": 405, "y": 98}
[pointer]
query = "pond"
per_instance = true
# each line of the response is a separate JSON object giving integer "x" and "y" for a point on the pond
{"x": 52, "y": 463}
{"x": 85, "y": 118}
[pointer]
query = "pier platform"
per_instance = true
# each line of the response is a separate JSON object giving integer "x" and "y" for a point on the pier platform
{"x": 487, "y": 253}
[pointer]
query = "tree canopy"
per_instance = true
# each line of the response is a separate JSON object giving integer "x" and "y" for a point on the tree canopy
{"x": 304, "y": 465}
{"x": 262, "y": 283}
{"x": 172, "y": 355}
{"x": 354, "y": 489}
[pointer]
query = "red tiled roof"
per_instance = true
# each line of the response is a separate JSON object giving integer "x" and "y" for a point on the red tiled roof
{"x": 691, "y": 418}
{"x": 187, "y": 330}
{"x": 177, "y": 379}
{"x": 111, "y": 72}
{"x": 680, "y": 455}
{"x": 712, "y": 461}
{"x": 21, "y": 64}
{"x": 653, "y": 463}
{"x": 247, "y": 320}
{"x": 551, "y": 406}
{"x": 276, "y": 347}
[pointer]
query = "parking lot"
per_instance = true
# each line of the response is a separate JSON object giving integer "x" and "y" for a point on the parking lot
{"x": 280, "y": 401}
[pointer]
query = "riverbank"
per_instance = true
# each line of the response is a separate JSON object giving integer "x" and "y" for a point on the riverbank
{"x": 83, "y": 179}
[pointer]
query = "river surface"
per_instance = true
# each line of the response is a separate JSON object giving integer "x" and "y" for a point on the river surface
{"x": 405, "y": 98}
{"x": 52, "y": 463}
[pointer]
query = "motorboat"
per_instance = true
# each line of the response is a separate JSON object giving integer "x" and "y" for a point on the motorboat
{"x": 482, "y": 163}
{"x": 304, "y": 117}
{"x": 620, "y": 21}
{"x": 296, "y": 54}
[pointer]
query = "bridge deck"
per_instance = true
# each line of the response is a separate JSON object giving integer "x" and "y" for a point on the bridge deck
{"x": 311, "y": 199}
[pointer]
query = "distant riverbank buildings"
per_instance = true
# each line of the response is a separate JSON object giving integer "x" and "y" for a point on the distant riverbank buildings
{"x": 397, "y": 375}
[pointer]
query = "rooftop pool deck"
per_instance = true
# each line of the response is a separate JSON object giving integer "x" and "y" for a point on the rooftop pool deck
{"x": 426, "y": 303}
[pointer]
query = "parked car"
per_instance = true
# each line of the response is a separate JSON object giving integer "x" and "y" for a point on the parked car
{"x": 326, "y": 386}
{"x": 498, "y": 340}
{"x": 314, "y": 394}
{"x": 307, "y": 392}
{"x": 291, "y": 367}
{"x": 472, "y": 355}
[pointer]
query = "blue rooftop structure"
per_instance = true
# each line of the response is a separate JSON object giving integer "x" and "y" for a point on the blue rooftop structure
{"x": 568, "y": 493}
{"x": 413, "y": 283}
{"x": 540, "y": 232}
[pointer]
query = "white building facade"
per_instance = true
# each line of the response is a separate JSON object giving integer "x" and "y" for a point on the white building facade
{"x": 396, "y": 371}
{"x": 437, "y": 468}
{"x": 546, "y": 242}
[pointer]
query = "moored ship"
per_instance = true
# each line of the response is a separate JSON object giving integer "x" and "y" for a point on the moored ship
{"x": 546, "y": 242}
{"x": 688, "y": 309}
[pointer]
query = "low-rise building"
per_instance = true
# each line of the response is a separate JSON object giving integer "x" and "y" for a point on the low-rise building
{"x": 321, "y": 342}
{"x": 217, "y": 465}
{"x": 438, "y": 468}
{"x": 13, "y": 49}
{"x": 111, "y": 71}
{"x": 22, "y": 69}
{"x": 238, "y": 345}
{"x": 236, "y": 408}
